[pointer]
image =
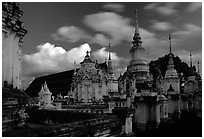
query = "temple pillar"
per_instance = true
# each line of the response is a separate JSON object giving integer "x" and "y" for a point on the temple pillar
{"x": 128, "y": 124}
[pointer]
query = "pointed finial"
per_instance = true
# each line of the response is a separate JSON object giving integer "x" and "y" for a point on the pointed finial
{"x": 109, "y": 58}
{"x": 45, "y": 84}
{"x": 74, "y": 65}
{"x": 136, "y": 38}
{"x": 190, "y": 60}
{"x": 169, "y": 42}
{"x": 42, "y": 88}
{"x": 136, "y": 23}
{"x": 87, "y": 52}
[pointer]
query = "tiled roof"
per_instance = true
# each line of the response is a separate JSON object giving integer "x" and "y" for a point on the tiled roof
{"x": 58, "y": 82}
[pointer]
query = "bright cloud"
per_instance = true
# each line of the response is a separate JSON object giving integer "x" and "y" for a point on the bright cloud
{"x": 112, "y": 24}
{"x": 162, "y": 8}
{"x": 100, "y": 39}
{"x": 102, "y": 55}
{"x": 105, "y": 22}
{"x": 114, "y": 7}
{"x": 161, "y": 26}
{"x": 70, "y": 34}
{"x": 50, "y": 59}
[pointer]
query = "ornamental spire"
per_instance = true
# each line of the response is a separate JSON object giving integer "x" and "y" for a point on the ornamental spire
{"x": 198, "y": 68}
{"x": 109, "y": 57}
{"x": 170, "y": 43}
{"x": 171, "y": 62}
{"x": 74, "y": 67}
{"x": 87, "y": 53}
{"x": 110, "y": 66}
{"x": 190, "y": 60}
{"x": 136, "y": 38}
{"x": 136, "y": 23}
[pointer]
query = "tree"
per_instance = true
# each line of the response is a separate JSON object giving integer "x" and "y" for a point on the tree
{"x": 159, "y": 67}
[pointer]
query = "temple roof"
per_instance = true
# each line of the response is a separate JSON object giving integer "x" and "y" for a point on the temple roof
{"x": 87, "y": 59}
{"x": 58, "y": 82}
{"x": 136, "y": 38}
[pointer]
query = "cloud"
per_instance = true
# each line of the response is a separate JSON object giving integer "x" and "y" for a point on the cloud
{"x": 102, "y": 55}
{"x": 194, "y": 6}
{"x": 162, "y": 8}
{"x": 114, "y": 7}
{"x": 161, "y": 26}
{"x": 50, "y": 59}
{"x": 189, "y": 38}
{"x": 100, "y": 39}
{"x": 111, "y": 24}
{"x": 70, "y": 34}
{"x": 105, "y": 22}
{"x": 150, "y": 6}
{"x": 189, "y": 29}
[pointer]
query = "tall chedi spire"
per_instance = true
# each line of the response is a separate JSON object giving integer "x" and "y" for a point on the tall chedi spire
{"x": 190, "y": 60}
{"x": 170, "y": 43}
{"x": 75, "y": 68}
{"x": 138, "y": 65}
{"x": 171, "y": 56}
{"x": 136, "y": 38}
{"x": 112, "y": 83}
{"x": 109, "y": 57}
{"x": 171, "y": 72}
{"x": 198, "y": 68}
{"x": 110, "y": 66}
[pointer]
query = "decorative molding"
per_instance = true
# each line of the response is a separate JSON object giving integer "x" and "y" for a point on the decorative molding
{"x": 11, "y": 15}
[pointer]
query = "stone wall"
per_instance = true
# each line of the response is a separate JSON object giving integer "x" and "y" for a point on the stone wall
{"x": 12, "y": 35}
{"x": 105, "y": 125}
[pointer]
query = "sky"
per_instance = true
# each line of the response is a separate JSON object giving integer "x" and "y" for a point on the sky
{"x": 60, "y": 33}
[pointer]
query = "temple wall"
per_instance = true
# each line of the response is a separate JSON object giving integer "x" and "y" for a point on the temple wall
{"x": 173, "y": 82}
{"x": 112, "y": 87}
{"x": 89, "y": 90}
{"x": 104, "y": 89}
{"x": 4, "y": 55}
{"x": 146, "y": 113}
{"x": 163, "y": 110}
{"x": 190, "y": 87}
{"x": 11, "y": 59}
{"x": 173, "y": 106}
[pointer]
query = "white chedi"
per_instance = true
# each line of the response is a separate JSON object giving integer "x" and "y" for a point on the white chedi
{"x": 45, "y": 97}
